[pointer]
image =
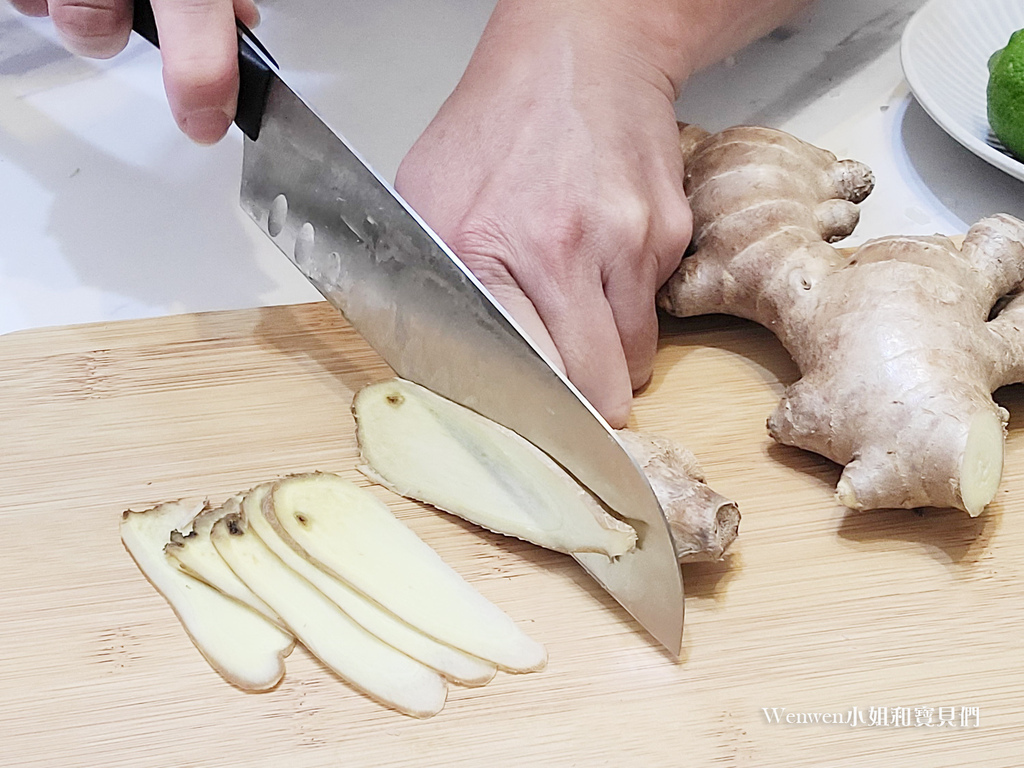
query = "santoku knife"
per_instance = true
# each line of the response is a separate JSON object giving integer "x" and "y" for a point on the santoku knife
{"x": 371, "y": 256}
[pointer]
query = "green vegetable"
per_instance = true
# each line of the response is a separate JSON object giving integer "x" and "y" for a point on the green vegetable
{"x": 1006, "y": 94}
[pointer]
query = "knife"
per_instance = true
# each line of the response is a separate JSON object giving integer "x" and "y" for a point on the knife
{"x": 371, "y": 256}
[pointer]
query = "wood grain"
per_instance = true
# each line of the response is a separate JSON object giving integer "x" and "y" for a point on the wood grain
{"x": 817, "y": 610}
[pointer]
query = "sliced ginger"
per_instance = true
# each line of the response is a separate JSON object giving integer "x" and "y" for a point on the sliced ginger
{"x": 245, "y": 590}
{"x": 349, "y": 533}
{"x": 425, "y": 447}
{"x": 895, "y": 345}
{"x": 456, "y": 665}
{"x": 245, "y": 648}
{"x": 355, "y": 655}
{"x": 195, "y": 555}
{"x": 428, "y": 448}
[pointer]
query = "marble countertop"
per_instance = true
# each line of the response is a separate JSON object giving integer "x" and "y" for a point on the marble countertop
{"x": 111, "y": 214}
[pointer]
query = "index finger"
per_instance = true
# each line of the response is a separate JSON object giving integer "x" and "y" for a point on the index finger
{"x": 200, "y": 53}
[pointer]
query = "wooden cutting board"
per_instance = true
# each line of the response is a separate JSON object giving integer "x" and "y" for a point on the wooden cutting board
{"x": 818, "y": 609}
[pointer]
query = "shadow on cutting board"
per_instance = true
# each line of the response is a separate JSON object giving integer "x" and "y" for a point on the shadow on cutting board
{"x": 319, "y": 333}
{"x": 742, "y": 338}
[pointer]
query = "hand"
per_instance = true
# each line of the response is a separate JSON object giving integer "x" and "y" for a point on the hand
{"x": 197, "y": 40}
{"x": 554, "y": 172}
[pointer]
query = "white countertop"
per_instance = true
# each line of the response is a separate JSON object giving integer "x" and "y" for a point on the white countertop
{"x": 111, "y": 214}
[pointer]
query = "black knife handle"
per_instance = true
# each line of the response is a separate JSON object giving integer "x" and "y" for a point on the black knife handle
{"x": 254, "y": 73}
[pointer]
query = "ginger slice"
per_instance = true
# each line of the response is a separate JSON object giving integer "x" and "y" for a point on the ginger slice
{"x": 358, "y": 657}
{"x": 428, "y": 448}
{"x": 348, "y": 532}
{"x": 242, "y": 646}
{"x": 195, "y": 554}
{"x": 425, "y": 447}
{"x": 457, "y": 666}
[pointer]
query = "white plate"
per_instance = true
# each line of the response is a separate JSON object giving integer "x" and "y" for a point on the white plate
{"x": 945, "y": 50}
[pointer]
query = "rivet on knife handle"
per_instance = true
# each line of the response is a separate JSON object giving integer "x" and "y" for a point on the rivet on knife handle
{"x": 253, "y": 72}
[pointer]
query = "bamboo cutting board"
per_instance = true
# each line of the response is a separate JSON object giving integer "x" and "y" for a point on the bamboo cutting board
{"x": 817, "y": 610}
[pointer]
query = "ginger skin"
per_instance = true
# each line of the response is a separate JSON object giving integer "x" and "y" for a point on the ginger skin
{"x": 703, "y": 523}
{"x": 897, "y": 353}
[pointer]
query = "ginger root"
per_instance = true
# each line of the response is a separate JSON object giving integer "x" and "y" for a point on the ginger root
{"x": 703, "y": 523}
{"x": 895, "y": 343}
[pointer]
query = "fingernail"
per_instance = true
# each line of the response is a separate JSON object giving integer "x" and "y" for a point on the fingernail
{"x": 206, "y": 126}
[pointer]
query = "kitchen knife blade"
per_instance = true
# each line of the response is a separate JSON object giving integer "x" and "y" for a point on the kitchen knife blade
{"x": 432, "y": 321}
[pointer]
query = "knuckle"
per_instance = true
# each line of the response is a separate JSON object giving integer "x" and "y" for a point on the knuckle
{"x": 489, "y": 268}
{"x": 574, "y": 235}
{"x": 675, "y": 232}
{"x": 626, "y": 222}
{"x": 30, "y": 7}
{"x": 205, "y": 77}
{"x": 677, "y": 229}
{"x": 563, "y": 232}
{"x": 481, "y": 243}
{"x": 93, "y": 28}
{"x": 478, "y": 234}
